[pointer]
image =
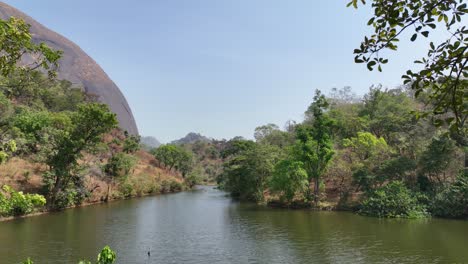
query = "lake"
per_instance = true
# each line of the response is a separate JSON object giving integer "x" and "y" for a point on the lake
{"x": 206, "y": 226}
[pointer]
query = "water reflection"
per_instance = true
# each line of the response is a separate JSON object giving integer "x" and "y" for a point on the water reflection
{"x": 206, "y": 226}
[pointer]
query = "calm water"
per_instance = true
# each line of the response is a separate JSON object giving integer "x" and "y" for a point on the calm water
{"x": 205, "y": 226}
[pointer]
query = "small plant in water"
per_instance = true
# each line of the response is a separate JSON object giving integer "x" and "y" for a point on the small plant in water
{"x": 107, "y": 256}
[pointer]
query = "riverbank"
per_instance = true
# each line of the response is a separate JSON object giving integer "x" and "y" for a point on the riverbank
{"x": 145, "y": 179}
{"x": 48, "y": 211}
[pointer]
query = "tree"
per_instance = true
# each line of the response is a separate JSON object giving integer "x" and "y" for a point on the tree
{"x": 174, "y": 156}
{"x": 445, "y": 69}
{"x": 131, "y": 143}
{"x": 7, "y": 144}
{"x": 271, "y": 134}
{"x": 247, "y": 173}
{"x": 436, "y": 160}
{"x": 387, "y": 112}
{"x": 314, "y": 144}
{"x": 289, "y": 179}
{"x": 235, "y": 146}
{"x": 64, "y": 146}
{"x": 366, "y": 145}
{"x": 119, "y": 165}
{"x": 367, "y": 153}
{"x": 16, "y": 42}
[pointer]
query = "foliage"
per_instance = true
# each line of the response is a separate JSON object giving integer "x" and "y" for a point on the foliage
{"x": 289, "y": 179}
{"x": 64, "y": 146}
{"x": 393, "y": 200}
{"x": 436, "y": 159}
{"x": 445, "y": 69}
{"x": 247, "y": 173}
{"x": 6, "y": 148}
{"x": 13, "y": 203}
{"x": 174, "y": 156}
{"x": 314, "y": 143}
{"x": 17, "y": 41}
{"x": 236, "y": 146}
{"x": 27, "y": 261}
{"x": 131, "y": 143}
{"x": 366, "y": 145}
{"x": 119, "y": 165}
{"x": 367, "y": 154}
{"x": 387, "y": 112}
{"x": 453, "y": 200}
{"x": 107, "y": 256}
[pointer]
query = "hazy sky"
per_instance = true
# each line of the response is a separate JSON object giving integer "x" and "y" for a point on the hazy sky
{"x": 221, "y": 67}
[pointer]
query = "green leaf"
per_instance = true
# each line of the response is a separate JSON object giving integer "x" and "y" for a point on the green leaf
{"x": 413, "y": 38}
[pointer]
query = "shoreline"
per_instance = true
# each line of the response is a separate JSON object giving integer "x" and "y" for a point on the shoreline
{"x": 48, "y": 211}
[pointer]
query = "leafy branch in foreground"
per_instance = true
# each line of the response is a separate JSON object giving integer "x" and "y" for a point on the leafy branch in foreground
{"x": 16, "y": 41}
{"x": 445, "y": 69}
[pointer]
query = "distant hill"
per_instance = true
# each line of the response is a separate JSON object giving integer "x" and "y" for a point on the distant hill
{"x": 150, "y": 142}
{"x": 191, "y": 138}
{"x": 80, "y": 69}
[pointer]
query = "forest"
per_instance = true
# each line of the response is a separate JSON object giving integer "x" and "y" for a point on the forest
{"x": 369, "y": 154}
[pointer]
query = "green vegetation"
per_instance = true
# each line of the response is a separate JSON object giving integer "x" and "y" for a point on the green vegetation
{"x": 174, "y": 156}
{"x": 393, "y": 200}
{"x": 379, "y": 154}
{"x": 80, "y": 153}
{"x": 384, "y": 163}
{"x": 13, "y": 203}
{"x": 442, "y": 79}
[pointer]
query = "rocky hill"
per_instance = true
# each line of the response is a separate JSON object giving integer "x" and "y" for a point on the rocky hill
{"x": 150, "y": 142}
{"x": 77, "y": 67}
{"x": 191, "y": 138}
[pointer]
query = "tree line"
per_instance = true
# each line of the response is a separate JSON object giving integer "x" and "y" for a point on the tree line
{"x": 370, "y": 154}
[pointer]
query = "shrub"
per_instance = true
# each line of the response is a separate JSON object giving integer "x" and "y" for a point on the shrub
{"x": 120, "y": 165}
{"x": 126, "y": 189}
{"x": 453, "y": 200}
{"x": 13, "y": 203}
{"x": 107, "y": 256}
{"x": 175, "y": 186}
{"x": 165, "y": 186}
{"x": 393, "y": 200}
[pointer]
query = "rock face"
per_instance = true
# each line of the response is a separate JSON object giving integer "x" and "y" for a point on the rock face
{"x": 77, "y": 67}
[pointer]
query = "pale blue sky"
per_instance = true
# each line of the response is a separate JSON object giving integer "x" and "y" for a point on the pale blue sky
{"x": 220, "y": 67}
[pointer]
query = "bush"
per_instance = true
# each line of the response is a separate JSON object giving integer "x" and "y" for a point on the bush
{"x": 120, "y": 165}
{"x": 69, "y": 197}
{"x": 452, "y": 201}
{"x": 165, "y": 186}
{"x": 394, "y": 200}
{"x": 176, "y": 186}
{"x": 107, "y": 256}
{"x": 168, "y": 186}
{"x": 127, "y": 190}
{"x": 13, "y": 203}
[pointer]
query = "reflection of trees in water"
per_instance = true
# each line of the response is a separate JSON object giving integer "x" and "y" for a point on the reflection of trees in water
{"x": 337, "y": 237}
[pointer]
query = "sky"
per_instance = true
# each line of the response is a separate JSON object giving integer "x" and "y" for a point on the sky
{"x": 222, "y": 67}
